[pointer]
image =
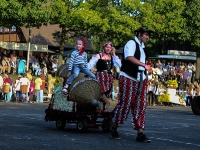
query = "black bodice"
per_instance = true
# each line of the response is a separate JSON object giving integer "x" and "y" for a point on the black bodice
{"x": 103, "y": 65}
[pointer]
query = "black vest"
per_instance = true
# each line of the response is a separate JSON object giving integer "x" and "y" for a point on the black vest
{"x": 128, "y": 67}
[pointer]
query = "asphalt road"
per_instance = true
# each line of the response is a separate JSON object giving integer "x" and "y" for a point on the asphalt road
{"x": 22, "y": 127}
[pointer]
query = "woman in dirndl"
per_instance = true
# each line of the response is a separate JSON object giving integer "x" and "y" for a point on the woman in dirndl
{"x": 104, "y": 62}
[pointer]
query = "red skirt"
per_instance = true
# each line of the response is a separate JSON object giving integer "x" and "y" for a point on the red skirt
{"x": 106, "y": 80}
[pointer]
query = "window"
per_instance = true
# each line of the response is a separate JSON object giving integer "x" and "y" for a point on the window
{"x": 7, "y": 29}
{"x": 14, "y": 29}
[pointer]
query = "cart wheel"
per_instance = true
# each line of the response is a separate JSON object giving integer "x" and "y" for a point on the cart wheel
{"x": 196, "y": 105}
{"x": 82, "y": 125}
{"x": 60, "y": 124}
{"x": 106, "y": 124}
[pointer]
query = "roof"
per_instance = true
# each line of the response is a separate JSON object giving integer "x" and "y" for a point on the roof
{"x": 44, "y": 36}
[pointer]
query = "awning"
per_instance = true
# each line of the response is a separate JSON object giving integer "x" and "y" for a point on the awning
{"x": 178, "y": 57}
{"x": 65, "y": 53}
{"x": 175, "y": 57}
{"x": 24, "y": 47}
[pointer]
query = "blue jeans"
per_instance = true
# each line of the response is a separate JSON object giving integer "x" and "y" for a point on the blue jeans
{"x": 18, "y": 94}
{"x": 37, "y": 94}
{"x": 37, "y": 71}
{"x": 76, "y": 71}
{"x": 41, "y": 96}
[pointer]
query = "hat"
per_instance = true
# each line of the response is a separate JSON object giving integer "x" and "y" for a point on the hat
{"x": 144, "y": 29}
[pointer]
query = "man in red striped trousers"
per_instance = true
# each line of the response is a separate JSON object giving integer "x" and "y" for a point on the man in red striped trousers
{"x": 133, "y": 86}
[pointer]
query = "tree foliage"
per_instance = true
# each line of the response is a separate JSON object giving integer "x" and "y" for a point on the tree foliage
{"x": 26, "y": 13}
{"x": 174, "y": 21}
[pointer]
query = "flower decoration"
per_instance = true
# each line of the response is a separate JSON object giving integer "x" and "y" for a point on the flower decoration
{"x": 164, "y": 98}
{"x": 57, "y": 81}
{"x": 172, "y": 84}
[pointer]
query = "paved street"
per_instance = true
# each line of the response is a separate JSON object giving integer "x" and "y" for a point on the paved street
{"x": 22, "y": 126}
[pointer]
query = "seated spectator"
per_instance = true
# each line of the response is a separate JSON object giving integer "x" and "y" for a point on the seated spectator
{"x": 13, "y": 67}
{"x": 55, "y": 65}
{"x": 158, "y": 63}
{"x": 36, "y": 68}
{"x": 169, "y": 66}
{"x": 44, "y": 70}
{"x": 31, "y": 59}
{"x": 6, "y": 65}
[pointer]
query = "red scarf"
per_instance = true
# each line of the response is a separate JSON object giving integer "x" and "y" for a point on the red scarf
{"x": 84, "y": 45}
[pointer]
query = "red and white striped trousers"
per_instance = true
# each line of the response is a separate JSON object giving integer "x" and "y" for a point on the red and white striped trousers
{"x": 131, "y": 98}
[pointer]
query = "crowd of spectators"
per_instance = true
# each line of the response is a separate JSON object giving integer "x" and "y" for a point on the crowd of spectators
{"x": 38, "y": 63}
{"x": 171, "y": 70}
{"x": 47, "y": 65}
{"x": 182, "y": 72}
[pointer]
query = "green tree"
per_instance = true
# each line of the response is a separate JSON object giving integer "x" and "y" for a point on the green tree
{"x": 107, "y": 21}
{"x": 166, "y": 19}
{"x": 191, "y": 30}
{"x": 24, "y": 13}
{"x": 71, "y": 24}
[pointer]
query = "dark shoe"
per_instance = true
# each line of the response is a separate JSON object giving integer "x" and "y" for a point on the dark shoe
{"x": 114, "y": 133}
{"x": 142, "y": 138}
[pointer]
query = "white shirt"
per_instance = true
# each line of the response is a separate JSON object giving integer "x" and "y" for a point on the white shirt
{"x": 159, "y": 71}
{"x": 129, "y": 50}
{"x": 93, "y": 61}
{"x": 17, "y": 85}
{"x": 24, "y": 81}
{"x": 151, "y": 88}
{"x": 190, "y": 67}
{"x": 54, "y": 66}
{"x": 1, "y": 82}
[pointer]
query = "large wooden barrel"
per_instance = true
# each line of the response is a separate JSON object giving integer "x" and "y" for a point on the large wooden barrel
{"x": 62, "y": 71}
{"x": 83, "y": 90}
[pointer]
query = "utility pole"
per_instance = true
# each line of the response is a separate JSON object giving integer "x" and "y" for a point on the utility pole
{"x": 29, "y": 48}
